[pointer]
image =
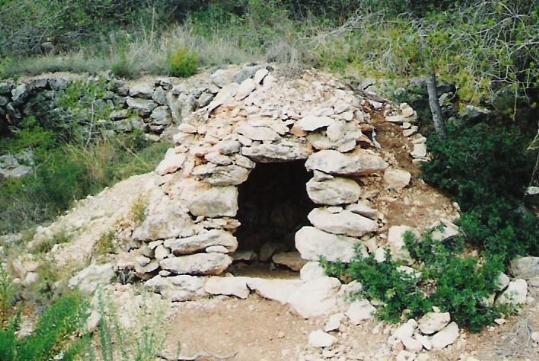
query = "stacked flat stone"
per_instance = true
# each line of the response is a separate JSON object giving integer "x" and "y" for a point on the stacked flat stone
{"x": 260, "y": 117}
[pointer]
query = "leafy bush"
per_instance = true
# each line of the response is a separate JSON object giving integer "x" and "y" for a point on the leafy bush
{"x": 183, "y": 63}
{"x": 455, "y": 283}
{"x": 486, "y": 169}
{"x": 7, "y": 296}
{"x": 53, "y": 333}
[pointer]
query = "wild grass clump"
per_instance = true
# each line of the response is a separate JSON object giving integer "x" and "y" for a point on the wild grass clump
{"x": 183, "y": 63}
{"x": 138, "y": 210}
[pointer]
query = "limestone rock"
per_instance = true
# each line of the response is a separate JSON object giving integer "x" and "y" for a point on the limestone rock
{"x": 515, "y": 293}
{"x": 316, "y": 298}
{"x": 397, "y": 179}
{"x": 321, "y": 339}
{"x": 360, "y": 311}
{"x": 334, "y": 322}
{"x": 334, "y": 191}
{"x": 214, "y": 237}
{"x": 178, "y": 288}
{"x": 144, "y": 106}
{"x": 290, "y": 260}
{"x": 225, "y": 96}
{"x": 197, "y": 264}
{"x": 279, "y": 290}
{"x": 445, "y": 230}
{"x": 420, "y": 151}
{"x": 277, "y": 152}
{"x": 229, "y": 286}
{"x": 364, "y": 209}
{"x": 221, "y": 175}
{"x": 525, "y": 267}
{"x": 142, "y": 90}
{"x": 313, "y": 244}
{"x": 395, "y": 239}
{"x": 311, "y": 123}
{"x": 91, "y": 277}
{"x": 171, "y": 163}
{"x": 446, "y": 336}
{"x": 433, "y": 322}
{"x": 358, "y": 163}
{"x": 246, "y": 87}
{"x": 214, "y": 202}
{"x": 258, "y": 133}
{"x": 311, "y": 271}
{"x": 346, "y": 223}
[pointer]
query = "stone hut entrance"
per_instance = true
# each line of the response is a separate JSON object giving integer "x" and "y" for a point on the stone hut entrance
{"x": 273, "y": 206}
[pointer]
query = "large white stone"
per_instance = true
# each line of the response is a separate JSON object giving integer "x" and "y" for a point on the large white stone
{"x": 311, "y": 271}
{"x": 311, "y": 123}
{"x": 279, "y": 290}
{"x": 346, "y": 223}
{"x": 178, "y": 288}
{"x": 214, "y": 202}
{"x": 525, "y": 267}
{"x": 228, "y": 286}
{"x": 314, "y": 244}
{"x": 446, "y": 336}
{"x": 445, "y": 230}
{"x": 360, "y": 311}
{"x": 433, "y": 322}
{"x": 360, "y": 162}
{"x": 91, "y": 277}
{"x": 397, "y": 179}
{"x": 197, "y": 264}
{"x": 246, "y": 87}
{"x": 171, "y": 163}
{"x": 321, "y": 339}
{"x": 258, "y": 133}
{"x": 333, "y": 191}
{"x": 334, "y": 322}
{"x": 395, "y": 239}
{"x": 214, "y": 237}
{"x": 515, "y": 293}
{"x": 316, "y": 298}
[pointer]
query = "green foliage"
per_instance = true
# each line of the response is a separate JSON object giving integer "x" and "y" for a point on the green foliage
{"x": 486, "y": 169}
{"x": 183, "y": 63}
{"x": 455, "y": 283}
{"x": 53, "y": 333}
{"x": 7, "y": 296}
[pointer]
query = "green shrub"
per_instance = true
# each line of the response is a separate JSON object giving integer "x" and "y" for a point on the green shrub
{"x": 486, "y": 169}
{"x": 183, "y": 63}
{"x": 53, "y": 334}
{"x": 7, "y": 296}
{"x": 453, "y": 282}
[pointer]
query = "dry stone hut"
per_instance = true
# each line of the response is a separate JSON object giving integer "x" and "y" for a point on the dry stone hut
{"x": 268, "y": 160}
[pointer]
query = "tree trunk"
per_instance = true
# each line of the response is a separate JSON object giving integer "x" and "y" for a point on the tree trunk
{"x": 436, "y": 110}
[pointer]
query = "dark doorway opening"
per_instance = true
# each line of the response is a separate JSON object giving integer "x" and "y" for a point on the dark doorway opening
{"x": 273, "y": 206}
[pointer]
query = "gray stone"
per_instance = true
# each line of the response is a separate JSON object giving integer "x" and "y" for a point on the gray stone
{"x": 358, "y": 163}
{"x": 246, "y": 87}
{"x": 214, "y": 202}
{"x": 144, "y": 106}
{"x": 313, "y": 244}
{"x": 333, "y": 191}
{"x": 214, "y": 237}
{"x": 222, "y": 77}
{"x": 515, "y": 293}
{"x": 161, "y": 116}
{"x": 395, "y": 240}
{"x": 525, "y": 267}
{"x": 19, "y": 94}
{"x": 445, "y": 230}
{"x": 142, "y": 90}
{"x": 197, "y": 264}
{"x": 258, "y": 133}
{"x": 346, "y": 223}
{"x": 159, "y": 96}
{"x": 283, "y": 151}
{"x": 221, "y": 175}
